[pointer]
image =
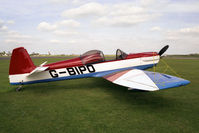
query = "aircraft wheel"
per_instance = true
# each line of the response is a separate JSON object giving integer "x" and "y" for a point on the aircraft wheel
{"x": 18, "y": 88}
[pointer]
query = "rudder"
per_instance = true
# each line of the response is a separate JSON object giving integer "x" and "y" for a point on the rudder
{"x": 20, "y": 62}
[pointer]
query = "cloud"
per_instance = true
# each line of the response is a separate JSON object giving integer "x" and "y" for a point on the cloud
{"x": 69, "y": 23}
{"x": 73, "y": 2}
{"x": 12, "y": 37}
{"x": 183, "y": 33}
{"x": 11, "y": 41}
{"x": 182, "y": 7}
{"x": 72, "y": 41}
{"x": 88, "y": 9}
{"x": 16, "y": 35}
{"x": 123, "y": 21}
{"x": 4, "y": 22}
{"x": 122, "y": 14}
{"x": 184, "y": 40}
{"x": 1, "y": 22}
{"x": 190, "y": 31}
{"x": 18, "y": 42}
{"x": 44, "y": 26}
{"x": 3, "y": 25}
{"x": 156, "y": 28}
{"x": 60, "y": 28}
{"x": 125, "y": 15}
{"x": 125, "y": 10}
{"x": 64, "y": 33}
{"x": 147, "y": 2}
{"x": 10, "y": 22}
{"x": 60, "y": 1}
{"x": 3, "y": 28}
{"x": 94, "y": 25}
{"x": 55, "y": 41}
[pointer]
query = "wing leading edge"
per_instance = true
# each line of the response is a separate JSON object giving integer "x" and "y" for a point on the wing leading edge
{"x": 145, "y": 80}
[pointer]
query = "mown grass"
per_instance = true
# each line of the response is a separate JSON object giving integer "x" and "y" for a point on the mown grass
{"x": 96, "y": 105}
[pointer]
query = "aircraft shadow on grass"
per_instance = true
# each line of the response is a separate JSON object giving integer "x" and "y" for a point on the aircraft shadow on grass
{"x": 141, "y": 99}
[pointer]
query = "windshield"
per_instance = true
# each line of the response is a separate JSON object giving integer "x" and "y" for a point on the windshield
{"x": 120, "y": 54}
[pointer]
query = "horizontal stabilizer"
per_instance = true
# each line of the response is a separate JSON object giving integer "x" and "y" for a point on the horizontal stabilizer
{"x": 37, "y": 70}
{"x": 145, "y": 80}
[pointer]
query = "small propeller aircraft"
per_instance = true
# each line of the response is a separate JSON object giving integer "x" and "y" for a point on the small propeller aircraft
{"x": 125, "y": 70}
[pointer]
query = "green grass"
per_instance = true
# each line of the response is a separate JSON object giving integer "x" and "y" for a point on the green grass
{"x": 95, "y": 105}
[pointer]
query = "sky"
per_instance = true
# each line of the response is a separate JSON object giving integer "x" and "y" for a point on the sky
{"x": 76, "y": 26}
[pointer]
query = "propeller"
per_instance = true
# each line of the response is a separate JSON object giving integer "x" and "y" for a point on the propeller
{"x": 164, "y": 49}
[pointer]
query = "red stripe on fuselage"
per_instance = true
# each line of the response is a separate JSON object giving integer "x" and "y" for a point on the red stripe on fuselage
{"x": 65, "y": 64}
{"x": 139, "y": 55}
{"x": 77, "y": 61}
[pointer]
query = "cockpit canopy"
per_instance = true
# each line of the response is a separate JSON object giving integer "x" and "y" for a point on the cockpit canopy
{"x": 92, "y": 56}
{"x": 120, "y": 54}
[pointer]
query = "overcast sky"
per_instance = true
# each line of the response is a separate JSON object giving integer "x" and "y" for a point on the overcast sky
{"x": 76, "y": 26}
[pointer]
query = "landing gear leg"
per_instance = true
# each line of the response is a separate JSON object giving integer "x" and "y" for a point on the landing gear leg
{"x": 130, "y": 89}
{"x": 19, "y": 88}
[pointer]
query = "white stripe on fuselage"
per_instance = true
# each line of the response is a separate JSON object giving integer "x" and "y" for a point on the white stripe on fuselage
{"x": 99, "y": 67}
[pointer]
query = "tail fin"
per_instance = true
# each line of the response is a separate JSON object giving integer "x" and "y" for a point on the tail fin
{"x": 20, "y": 62}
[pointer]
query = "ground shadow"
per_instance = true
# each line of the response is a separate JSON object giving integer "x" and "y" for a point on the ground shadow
{"x": 149, "y": 100}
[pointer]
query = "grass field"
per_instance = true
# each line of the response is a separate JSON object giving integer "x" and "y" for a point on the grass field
{"x": 95, "y": 105}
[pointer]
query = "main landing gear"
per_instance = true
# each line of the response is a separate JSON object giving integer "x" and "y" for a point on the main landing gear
{"x": 19, "y": 88}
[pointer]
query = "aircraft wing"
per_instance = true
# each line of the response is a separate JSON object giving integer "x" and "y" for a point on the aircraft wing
{"x": 145, "y": 80}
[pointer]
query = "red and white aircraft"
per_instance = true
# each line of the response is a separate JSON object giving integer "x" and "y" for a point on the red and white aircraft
{"x": 125, "y": 70}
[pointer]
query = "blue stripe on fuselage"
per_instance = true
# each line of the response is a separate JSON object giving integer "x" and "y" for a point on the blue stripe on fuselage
{"x": 96, "y": 74}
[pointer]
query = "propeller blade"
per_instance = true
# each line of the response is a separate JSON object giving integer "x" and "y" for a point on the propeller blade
{"x": 164, "y": 49}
